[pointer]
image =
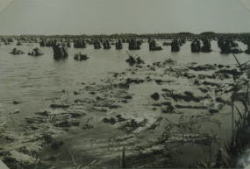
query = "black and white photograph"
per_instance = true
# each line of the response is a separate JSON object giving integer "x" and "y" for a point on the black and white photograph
{"x": 113, "y": 84}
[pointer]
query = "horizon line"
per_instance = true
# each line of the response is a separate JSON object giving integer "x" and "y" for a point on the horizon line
{"x": 112, "y": 34}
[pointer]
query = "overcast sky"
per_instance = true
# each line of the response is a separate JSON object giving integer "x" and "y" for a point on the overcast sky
{"x": 124, "y": 16}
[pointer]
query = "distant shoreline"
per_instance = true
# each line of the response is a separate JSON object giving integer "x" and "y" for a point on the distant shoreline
{"x": 144, "y": 35}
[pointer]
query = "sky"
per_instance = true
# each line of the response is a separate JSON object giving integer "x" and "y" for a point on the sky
{"x": 123, "y": 16}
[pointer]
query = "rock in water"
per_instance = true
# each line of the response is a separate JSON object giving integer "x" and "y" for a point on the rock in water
{"x": 196, "y": 46}
{"x": 79, "y": 43}
{"x": 155, "y": 96}
{"x": 118, "y": 45}
{"x": 35, "y": 52}
{"x": 133, "y": 44}
{"x": 206, "y": 46}
{"x": 80, "y": 57}
{"x": 60, "y": 51}
{"x": 248, "y": 49}
{"x": 97, "y": 45}
{"x": 175, "y": 46}
{"x": 16, "y": 51}
{"x": 106, "y": 45}
{"x": 132, "y": 61}
{"x": 153, "y": 46}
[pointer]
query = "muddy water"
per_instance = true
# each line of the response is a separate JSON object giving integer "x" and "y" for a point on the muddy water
{"x": 36, "y": 82}
{"x": 35, "y": 79}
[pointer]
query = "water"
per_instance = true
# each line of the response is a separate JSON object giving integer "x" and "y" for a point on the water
{"x": 33, "y": 80}
{"x": 36, "y": 81}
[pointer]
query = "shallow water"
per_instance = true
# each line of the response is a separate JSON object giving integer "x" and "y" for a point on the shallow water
{"x": 36, "y": 81}
{"x": 31, "y": 78}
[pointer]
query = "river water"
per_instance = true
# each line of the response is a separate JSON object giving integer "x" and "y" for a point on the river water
{"x": 36, "y": 81}
{"x": 33, "y": 80}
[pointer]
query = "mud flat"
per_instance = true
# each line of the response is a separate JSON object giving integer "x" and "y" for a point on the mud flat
{"x": 162, "y": 113}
